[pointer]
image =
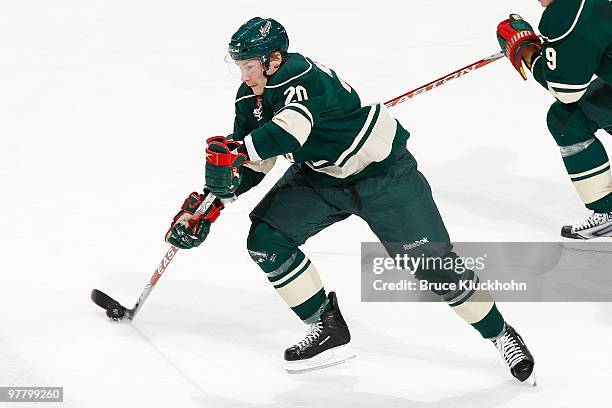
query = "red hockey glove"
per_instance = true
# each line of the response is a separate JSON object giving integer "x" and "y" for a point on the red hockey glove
{"x": 191, "y": 224}
{"x": 223, "y": 163}
{"x": 516, "y": 37}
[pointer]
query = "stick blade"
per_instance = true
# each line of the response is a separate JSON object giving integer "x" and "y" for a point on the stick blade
{"x": 102, "y": 299}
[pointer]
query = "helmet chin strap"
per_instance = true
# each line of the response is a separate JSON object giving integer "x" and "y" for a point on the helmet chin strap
{"x": 266, "y": 68}
{"x": 265, "y": 61}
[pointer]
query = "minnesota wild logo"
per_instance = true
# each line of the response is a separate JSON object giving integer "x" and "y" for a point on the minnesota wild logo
{"x": 257, "y": 112}
{"x": 265, "y": 30}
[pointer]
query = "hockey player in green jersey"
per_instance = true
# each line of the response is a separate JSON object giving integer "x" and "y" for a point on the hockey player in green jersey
{"x": 576, "y": 46}
{"x": 348, "y": 159}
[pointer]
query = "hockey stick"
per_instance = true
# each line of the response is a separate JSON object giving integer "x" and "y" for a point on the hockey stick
{"x": 442, "y": 80}
{"x": 114, "y": 310}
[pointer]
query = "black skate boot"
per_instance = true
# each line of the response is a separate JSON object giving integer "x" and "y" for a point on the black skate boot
{"x": 325, "y": 344}
{"x": 598, "y": 225}
{"x": 516, "y": 354}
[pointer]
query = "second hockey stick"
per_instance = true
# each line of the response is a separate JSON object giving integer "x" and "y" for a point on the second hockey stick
{"x": 442, "y": 80}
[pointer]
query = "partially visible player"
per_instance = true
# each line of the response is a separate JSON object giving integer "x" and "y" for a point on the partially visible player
{"x": 576, "y": 45}
{"x": 348, "y": 159}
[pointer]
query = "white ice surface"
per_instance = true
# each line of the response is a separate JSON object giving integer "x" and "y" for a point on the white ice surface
{"x": 104, "y": 107}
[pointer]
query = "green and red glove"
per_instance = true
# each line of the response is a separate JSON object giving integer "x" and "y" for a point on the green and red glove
{"x": 223, "y": 162}
{"x": 517, "y": 38}
{"x": 191, "y": 225}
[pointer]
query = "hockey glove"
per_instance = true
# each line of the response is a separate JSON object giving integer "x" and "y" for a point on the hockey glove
{"x": 517, "y": 38}
{"x": 191, "y": 225}
{"x": 223, "y": 163}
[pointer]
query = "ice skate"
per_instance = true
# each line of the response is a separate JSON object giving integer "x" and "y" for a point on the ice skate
{"x": 592, "y": 235}
{"x": 516, "y": 355}
{"x": 598, "y": 225}
{"x": 325, "y": 343}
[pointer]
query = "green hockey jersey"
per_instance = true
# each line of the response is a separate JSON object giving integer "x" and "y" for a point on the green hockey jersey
{"x": 577, "y": 44}
{"x": 311, "y": 116}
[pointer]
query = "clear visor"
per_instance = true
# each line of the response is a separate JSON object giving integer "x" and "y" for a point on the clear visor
{"x": 242, "y": 69}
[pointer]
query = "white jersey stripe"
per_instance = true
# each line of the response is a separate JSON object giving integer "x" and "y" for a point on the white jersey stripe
{"x": 359, "y": 136}
{"x": 261, "y": 166}
{"x": 571, "y": 28}
{"x": 290, "y": 274}
{"x": 248, "y": 142}
{"x": 377, "y": 146}
{"x": 301, "y": 288}
{"x": 244, "y": 97}
{"x": 294, "y": 123}
{"x": 534, "y": 62}
{"x": 567, "y": 86}
{"x": 303, "y": 109}
{"x": 586, "y": 173}
{"x": 594, "y": 188}
{"x": 567, "y": 97}
{"x": 291, "y": 79}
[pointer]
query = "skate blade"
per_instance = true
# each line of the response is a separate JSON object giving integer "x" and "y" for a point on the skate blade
{"x": 331, "y": 357}
{"x": 531, "y": 380}
{"x": 599, "y": 245}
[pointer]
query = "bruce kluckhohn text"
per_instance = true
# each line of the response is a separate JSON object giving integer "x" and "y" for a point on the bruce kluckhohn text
{"x": 464, "y": 285}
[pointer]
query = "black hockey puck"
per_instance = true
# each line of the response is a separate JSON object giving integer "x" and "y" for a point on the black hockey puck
{"x": 115, "y": 311}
